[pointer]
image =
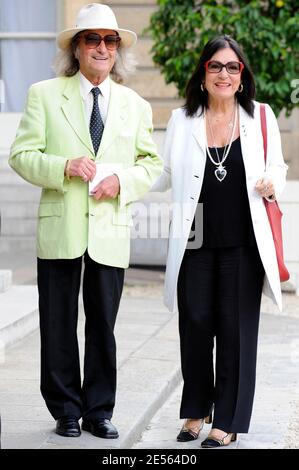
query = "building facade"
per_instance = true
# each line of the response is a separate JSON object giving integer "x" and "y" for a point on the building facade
{"x": 27, "y": 47}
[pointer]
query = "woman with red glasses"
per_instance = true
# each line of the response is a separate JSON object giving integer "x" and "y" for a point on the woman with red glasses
{"x": 221, "y": 252}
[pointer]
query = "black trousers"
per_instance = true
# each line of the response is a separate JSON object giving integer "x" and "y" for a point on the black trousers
{"x": 219, "y": 295}
{"x": 59, "y": 285}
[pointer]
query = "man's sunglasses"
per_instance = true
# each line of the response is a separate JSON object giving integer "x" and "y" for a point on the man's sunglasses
{"x": 234, "y": 67}
{"x": 93, "y": 40}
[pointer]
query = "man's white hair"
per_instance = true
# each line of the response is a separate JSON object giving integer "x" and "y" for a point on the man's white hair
{"x": 66, "y": 64}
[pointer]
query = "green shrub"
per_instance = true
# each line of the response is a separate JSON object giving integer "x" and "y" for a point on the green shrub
{"x": 268, "y": 31}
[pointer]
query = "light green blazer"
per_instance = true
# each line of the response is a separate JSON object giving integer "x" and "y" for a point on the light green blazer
{"x": 53, "y": 129}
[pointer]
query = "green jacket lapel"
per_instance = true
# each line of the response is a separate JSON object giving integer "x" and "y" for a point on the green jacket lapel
{"x": 74, "y": 112}
{"x": 116, "y": 117}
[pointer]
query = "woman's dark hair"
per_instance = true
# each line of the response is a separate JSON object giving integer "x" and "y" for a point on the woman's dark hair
{"x": 196, "y": 98}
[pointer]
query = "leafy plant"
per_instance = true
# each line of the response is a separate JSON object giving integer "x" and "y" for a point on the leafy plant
{"x": 268, "y": 31}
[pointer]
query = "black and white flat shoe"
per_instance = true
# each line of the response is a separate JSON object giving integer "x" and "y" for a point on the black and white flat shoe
{"x": 211, "y": 442}
{"x": 187, "y": 434}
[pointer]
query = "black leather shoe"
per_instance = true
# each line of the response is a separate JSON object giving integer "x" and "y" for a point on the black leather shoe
{"x": 68, "y": 426}
{"x": 100, "y": 428}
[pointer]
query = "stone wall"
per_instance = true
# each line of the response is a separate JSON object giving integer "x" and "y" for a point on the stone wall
{"x": 149, "y": 82}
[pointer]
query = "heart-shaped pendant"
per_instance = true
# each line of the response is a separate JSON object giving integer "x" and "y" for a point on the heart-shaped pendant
{"x": 220, "y": 173}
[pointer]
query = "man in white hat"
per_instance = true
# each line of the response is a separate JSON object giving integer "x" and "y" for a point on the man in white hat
{"x": 76, "y": 127}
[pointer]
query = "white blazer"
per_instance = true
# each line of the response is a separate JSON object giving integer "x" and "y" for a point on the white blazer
{"x": 185, "y": 158}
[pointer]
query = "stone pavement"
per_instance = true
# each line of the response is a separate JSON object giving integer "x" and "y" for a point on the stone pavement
{"x": 275, "y": 418}
{"x": 147, "y": 372}
{"x": 149, "y": 380}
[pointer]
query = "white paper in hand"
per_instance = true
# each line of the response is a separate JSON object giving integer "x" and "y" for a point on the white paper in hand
{"x": 103, "y": 170}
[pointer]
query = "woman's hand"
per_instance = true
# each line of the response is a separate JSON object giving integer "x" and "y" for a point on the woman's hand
{"x": 265, "y": 188}
{"x": 83, "y": 167}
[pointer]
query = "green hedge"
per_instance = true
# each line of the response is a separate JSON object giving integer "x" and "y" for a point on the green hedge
{"x": 268, "y": 31}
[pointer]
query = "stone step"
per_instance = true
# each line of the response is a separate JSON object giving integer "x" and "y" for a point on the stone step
{"x": 14, "y": 244}
{"x": 163, "y": 101}
{"x": 151, "y": 85}
{"x": 24, "y": 210}
{"x": 9, "y": 177}
{"x": 8, "y": 124}
{"x": 5, "y": 280}
{"x": 150, "y": 251}
{"x": 18, "y": 227}
{"x": 19, "y": 314}
{"x": 148, "y": 371}
{"x": 4, "y": 165}
{"x": 13, "y": 193}
{"x": 4, "y": 160}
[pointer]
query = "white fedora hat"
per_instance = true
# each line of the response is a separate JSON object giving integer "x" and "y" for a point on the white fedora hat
{"x": 96, "y": 16}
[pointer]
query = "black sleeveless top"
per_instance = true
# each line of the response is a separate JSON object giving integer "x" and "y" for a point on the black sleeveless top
{"x": 226, "y": 213}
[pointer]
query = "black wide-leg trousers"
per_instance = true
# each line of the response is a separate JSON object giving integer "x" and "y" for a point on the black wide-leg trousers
{"x": 58, "y": 286}
{"x": 219, "y": 295}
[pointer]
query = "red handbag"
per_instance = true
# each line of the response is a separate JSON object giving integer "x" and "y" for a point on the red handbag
{"x": 273, "y": 211}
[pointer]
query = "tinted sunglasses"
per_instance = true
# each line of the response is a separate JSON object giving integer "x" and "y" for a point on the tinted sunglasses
{"x": 234, "y": 67}
{"x": 93, "y": 40}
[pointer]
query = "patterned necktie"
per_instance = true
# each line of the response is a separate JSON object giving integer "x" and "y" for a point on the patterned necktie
{"x": 96, "y": 126}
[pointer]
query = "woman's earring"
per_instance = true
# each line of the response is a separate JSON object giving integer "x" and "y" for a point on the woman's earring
{"x": 240, "y": 89}
{"x": 202, "y": 87}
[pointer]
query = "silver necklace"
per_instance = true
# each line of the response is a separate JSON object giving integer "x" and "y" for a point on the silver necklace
{"x": 220, "y": 171}
{"x": 230, "y": 125}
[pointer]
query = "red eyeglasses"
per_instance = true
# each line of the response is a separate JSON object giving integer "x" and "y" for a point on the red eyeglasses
{"x": 233, "y": 67}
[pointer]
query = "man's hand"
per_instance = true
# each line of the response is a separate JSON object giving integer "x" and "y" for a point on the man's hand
{"x": 108, "y": 188}
{"x": 83, "y": 167}
{"x": 265, "y": 188}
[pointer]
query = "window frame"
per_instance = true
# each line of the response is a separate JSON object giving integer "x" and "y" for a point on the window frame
{"x": 36, "y": 35}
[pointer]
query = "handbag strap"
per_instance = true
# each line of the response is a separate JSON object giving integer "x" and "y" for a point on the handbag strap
{"x": 264, "y": 129}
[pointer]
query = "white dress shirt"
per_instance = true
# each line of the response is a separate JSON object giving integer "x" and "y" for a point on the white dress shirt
{"x": 87, "y": 97}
